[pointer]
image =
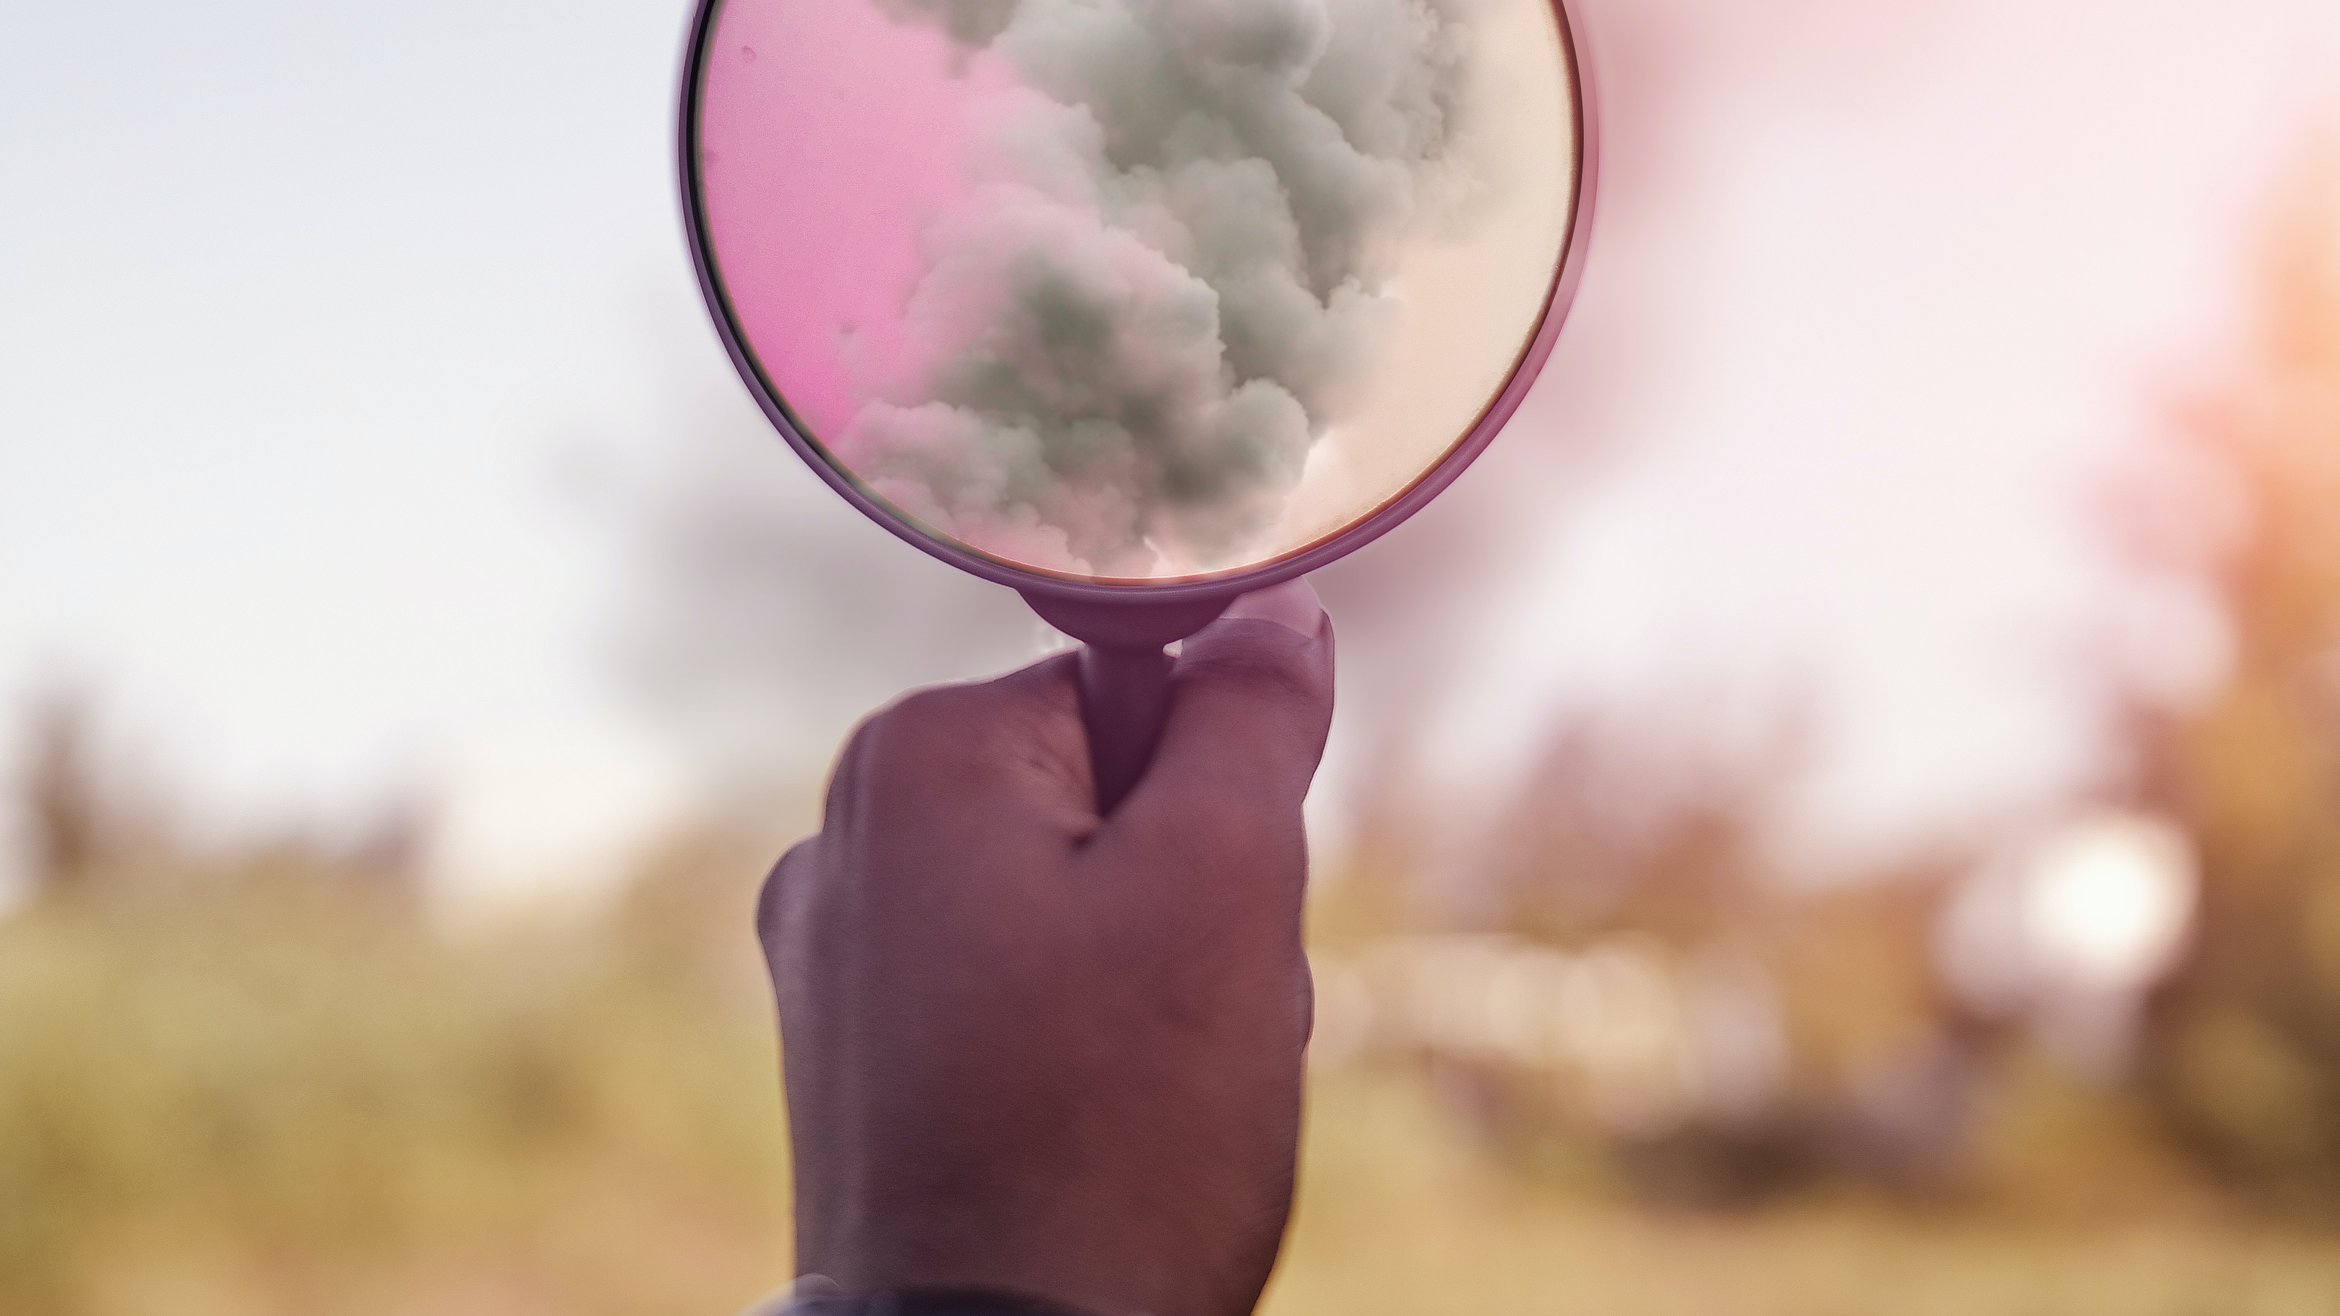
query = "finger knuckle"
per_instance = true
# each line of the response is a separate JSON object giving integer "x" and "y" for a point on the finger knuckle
{"x": 778, "y": 889}
{"x": 936, "y": 727}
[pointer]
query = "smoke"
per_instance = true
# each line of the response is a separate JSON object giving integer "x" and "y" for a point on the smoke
{"x": 1168, "y": 272}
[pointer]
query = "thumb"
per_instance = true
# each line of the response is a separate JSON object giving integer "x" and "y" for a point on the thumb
{"x": 1251, "y": 701}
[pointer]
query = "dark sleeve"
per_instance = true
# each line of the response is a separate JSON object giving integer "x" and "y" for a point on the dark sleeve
{"x": 937, "y": 1303}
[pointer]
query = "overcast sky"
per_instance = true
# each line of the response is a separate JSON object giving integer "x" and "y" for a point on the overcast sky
{"x": 311, "y": 317}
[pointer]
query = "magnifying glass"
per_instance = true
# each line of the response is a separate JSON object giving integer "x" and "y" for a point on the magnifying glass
{"x": 1135, "y": 306}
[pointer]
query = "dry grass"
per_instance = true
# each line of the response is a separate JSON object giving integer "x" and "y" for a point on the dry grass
{"x": 252, "y": 1098}
{"x": 1404, "y": 1214}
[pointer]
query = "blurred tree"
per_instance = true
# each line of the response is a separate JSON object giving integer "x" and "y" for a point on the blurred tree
{"x": 93, "y": 821}
{"x": 63, "y": 802}
{"x": 2243, "y": 1046}
{"x": 1783, "y": 1028}
{"x": 100, "y": 821}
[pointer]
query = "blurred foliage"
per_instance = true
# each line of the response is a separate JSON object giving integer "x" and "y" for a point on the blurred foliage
{"x": 1402, "y": 1213}
{"x": 2243, "y": 1055}
{"x": 1724, "y": 1032}
{"x": 265, "y": 1087}
{"x": 269, "y": 1082}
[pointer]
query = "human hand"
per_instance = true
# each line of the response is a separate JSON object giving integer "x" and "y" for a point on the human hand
{"x": 1033, "y": 1052}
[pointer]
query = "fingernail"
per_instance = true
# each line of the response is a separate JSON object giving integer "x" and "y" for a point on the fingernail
{"x": 816, "y": 1286}
{"x": 1292, "y": 605}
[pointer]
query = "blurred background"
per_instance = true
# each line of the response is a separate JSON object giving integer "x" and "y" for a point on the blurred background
{"x": 1839, "y": 812}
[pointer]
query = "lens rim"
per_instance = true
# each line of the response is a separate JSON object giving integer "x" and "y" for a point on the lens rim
{"x": 1387, "y": 516}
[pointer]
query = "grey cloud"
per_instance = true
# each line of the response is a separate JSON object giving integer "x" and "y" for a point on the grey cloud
{"x": 1171, "y": 269}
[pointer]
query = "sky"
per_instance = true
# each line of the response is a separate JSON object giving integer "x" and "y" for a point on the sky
{"x": 325, "y": 332}
{"x": 304, "y": 306}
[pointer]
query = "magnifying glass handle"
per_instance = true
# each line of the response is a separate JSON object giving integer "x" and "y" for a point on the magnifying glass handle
{"x": 1125, "y": 694}
{"x": 1125, "y": 677}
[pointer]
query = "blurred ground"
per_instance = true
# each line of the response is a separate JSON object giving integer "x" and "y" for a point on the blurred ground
{"x": 1400, "y": 1215}
{"x": 270, "y": 1085}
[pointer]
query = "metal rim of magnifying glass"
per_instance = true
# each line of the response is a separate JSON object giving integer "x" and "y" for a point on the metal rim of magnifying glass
{"x": 1174, "y": 589}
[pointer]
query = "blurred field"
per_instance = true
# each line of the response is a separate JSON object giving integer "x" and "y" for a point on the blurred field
{"x": 267, "y": 1089}
{"x": 1402, "y": 1215}
{"x": 256, "y": 1095}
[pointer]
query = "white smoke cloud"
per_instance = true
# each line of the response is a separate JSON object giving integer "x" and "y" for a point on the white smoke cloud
{"x": 1168, "y": 273}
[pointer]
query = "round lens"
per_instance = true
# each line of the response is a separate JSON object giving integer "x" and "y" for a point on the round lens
{"x": 1133, "y": 290}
